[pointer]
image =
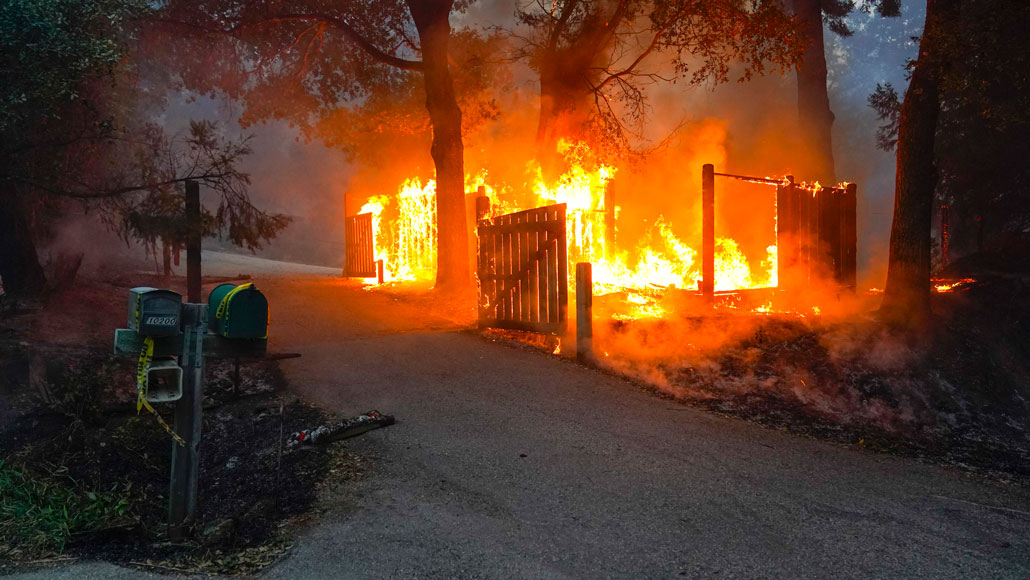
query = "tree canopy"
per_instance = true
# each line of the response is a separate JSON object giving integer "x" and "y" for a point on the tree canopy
{"x": 75, "y": 125}
{"x": 596, "y": 58}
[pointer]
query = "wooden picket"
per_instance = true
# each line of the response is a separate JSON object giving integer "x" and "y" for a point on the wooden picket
{"x": 523, "y": 271}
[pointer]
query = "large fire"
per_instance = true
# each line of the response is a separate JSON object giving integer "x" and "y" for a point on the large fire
{"x": 405, "y": 236}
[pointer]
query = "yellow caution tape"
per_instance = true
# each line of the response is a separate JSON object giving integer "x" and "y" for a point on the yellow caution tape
{"x": 139, "y": 308}
{"x": 146, "y": 355}
{"x": 225, "y": 299}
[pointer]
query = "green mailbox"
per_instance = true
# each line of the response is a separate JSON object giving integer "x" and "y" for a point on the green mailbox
{"x": 238, "y": 311}
{"x": 154, "y": 312}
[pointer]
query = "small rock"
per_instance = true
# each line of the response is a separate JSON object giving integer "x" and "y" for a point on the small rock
{"x": 218, "y": 532}
{"x": 232, "y": 463}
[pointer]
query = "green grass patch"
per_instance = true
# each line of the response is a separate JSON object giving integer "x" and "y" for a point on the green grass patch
{"x": 39, "y": 514}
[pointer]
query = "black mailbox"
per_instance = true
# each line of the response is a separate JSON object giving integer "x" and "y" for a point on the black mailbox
{"x": 154, "y": 312}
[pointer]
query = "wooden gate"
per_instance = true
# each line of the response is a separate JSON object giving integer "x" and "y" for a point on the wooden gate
{"x": 361, "y": 260}
{"x": 523, "y": 271}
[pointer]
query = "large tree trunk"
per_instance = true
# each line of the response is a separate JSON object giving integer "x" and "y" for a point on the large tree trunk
{"x": 815, "y": 119}
{"x": 20, "y": 270}
{"x": 434, "y": 30}
{"x": 906, "y": 298}
{"x": 566, "y": 100}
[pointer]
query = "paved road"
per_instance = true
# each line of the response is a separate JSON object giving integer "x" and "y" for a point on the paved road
{"x": 508, "y": 463}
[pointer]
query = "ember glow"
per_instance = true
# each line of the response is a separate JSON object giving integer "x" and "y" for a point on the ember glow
{"x": 640, "y": 270}
{"x": 942, "y": 285}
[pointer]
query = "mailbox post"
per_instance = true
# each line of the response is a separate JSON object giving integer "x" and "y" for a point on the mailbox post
{"x": 182, "y": 489}
{"x": 162, "y": 326}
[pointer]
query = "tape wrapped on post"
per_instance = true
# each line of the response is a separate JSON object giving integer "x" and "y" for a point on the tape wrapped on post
{"x": 146, "y": 356}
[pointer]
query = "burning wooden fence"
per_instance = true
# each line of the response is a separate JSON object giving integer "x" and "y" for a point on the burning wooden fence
{"x": 522, "y": 260}
{"x": 816, "y": 233}
{"x": 523, "y": 269}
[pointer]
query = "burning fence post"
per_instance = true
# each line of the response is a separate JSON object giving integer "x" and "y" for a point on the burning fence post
{"x": 482, "y": 203}
{"x": 584, "y": 312}
{"x": 708, "y": 231}
{"x": 379, "y": 270}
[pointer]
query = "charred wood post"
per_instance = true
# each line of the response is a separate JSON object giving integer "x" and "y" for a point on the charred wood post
{"x": 193, "y": 237}
{"x": 944, "y": 235}
{"x": 584, "y": 312}
{"x": 482, "y": 203}
{"x": 708, "y": 231}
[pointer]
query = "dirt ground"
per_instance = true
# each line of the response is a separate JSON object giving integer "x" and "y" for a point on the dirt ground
{"x": 69, "y": 420}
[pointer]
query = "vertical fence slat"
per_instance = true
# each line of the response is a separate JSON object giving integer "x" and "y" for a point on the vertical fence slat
{"x": 563, "y": 274}
{"x": 849, "y": 236}
{"x": 532, "y": 274}
{"x": 504, "y": 271}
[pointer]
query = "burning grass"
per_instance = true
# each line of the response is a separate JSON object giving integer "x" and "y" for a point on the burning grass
{"x": 958, "y": 391}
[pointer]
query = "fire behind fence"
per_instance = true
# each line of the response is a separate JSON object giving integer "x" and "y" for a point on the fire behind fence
{"x": 815, "y": 235}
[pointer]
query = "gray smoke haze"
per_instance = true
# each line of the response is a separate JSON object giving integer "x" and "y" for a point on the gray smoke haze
{"x": 308, "y": 180}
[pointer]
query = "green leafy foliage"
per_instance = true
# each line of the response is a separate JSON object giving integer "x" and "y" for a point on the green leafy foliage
{"x": 49, "y": 47}
{"x": 77, "y": 99}
{"x": 39, "y": 514}
{"x": 887, "y": 105}
{"x": 156, "y": 213}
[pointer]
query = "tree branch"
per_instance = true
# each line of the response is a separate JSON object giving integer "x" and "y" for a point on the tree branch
{"x": 348, "y": 31}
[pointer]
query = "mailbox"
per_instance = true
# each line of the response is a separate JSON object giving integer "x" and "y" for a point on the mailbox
{"x": 238, "y": 311}
{"x": 154, "y": 312}
{"x": 164, "y": 381}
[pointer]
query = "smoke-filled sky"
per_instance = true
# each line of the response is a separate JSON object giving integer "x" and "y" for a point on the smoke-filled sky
{"x": 308, "y": 180}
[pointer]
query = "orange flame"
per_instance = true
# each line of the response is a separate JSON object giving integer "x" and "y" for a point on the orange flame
{"x": 407, "y": 240}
